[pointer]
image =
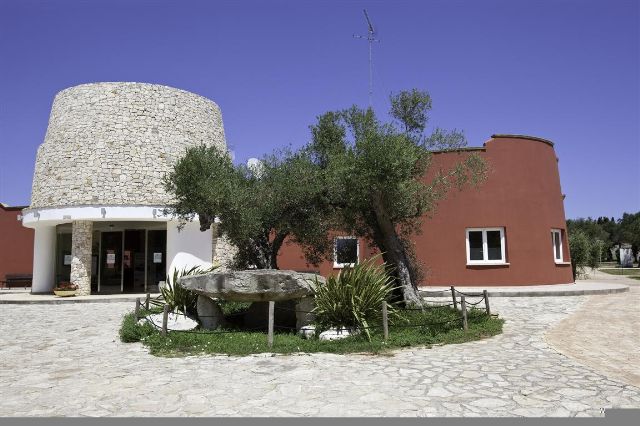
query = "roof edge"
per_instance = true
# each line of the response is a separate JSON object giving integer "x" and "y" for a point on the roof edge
{"x": 6, "y": 207}
{"x": 533, "y": 138}
{"x": 463, "y": 149}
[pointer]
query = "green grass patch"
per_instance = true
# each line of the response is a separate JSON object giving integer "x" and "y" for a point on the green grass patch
{"x": 622, "y": 271}
{"x": 437, "y": 326}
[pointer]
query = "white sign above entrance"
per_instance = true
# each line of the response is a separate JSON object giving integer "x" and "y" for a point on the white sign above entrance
{"x": 157, "y": 257}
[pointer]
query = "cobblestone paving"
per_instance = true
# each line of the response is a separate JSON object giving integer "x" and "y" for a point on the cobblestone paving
{"x": 66, "y": 360}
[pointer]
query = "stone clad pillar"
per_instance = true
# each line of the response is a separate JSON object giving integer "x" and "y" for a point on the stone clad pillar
{"x": 81, "y": 239}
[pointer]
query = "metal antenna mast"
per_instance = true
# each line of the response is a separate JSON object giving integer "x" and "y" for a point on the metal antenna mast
{"x": 370, "y": 37}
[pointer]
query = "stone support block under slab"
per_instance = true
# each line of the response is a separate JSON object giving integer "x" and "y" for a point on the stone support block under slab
{"x": 81, "y": 239}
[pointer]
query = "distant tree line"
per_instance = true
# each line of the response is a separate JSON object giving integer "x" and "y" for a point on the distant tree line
{"x": 610, "y": 231}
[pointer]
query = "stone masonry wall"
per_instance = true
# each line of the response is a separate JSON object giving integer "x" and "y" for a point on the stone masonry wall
{"x": 81, "y": 238}
{"x": 112, "y": 143}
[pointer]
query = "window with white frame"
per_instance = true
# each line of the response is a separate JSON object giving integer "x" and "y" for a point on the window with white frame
{"x": 485, "y": 246}
{"x": 346, "y": 252}
{"x": 556, "y": 243}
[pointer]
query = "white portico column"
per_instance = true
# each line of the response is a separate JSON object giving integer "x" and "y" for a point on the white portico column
{"x": 81, "y": 238}
{"x": 44, "y": 259}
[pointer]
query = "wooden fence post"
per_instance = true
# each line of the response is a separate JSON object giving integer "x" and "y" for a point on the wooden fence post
{"x": 385, "y": 321}
{"x": 453, "y": 295}
{"x": 272, "y": 306}
{"x": 486, "y": 301}
{"x": 165, "y": 319}
{"x": 463, "y": 305}
{"x": 137, "y": 308}
{"x": 146, "y": 302}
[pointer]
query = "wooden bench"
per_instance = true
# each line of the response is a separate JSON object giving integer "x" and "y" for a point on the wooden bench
{"x": 16, "y": 280}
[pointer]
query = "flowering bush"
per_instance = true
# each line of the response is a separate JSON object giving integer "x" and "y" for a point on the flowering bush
{"x": 65, "y": 285}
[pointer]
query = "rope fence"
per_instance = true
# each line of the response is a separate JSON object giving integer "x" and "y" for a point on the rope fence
{"x": 462, "y": 301}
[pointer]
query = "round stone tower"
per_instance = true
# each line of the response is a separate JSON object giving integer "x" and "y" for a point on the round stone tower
{"x": 101, "y": 168}
{"x": 112, "y": 143}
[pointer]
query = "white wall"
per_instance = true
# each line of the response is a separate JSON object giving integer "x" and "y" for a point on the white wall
{"x": 188, "y": 247}
{"x": 44, "y": 259}
{"x": 32, "y": 218}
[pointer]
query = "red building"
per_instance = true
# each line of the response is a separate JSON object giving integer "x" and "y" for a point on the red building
{"x": 16, "y": 243}
{"x": 509, "y": 231}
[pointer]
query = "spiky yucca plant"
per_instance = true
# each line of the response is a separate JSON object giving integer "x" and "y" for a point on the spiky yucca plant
{"x": 177, "y": 297}
{"x": 353, "y": 299}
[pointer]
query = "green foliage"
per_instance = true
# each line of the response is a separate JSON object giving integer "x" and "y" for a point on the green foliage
{"x": 258, "y": 208}
{"x": 610, "y": 231}
{"x": 584, "y": 253}
{"x": 233, "y": 308}
{"x": 131, "y": 331}
{"x": 353, "y": 299}
{"x": 595, "y": 253}
{"x": 374, "y": 174}
{"x": 432, "y": 332}
{"x": 410, "y": 109}
{"x": 629, "y": 230}
{"x": 177, "y": 297}
{"x": 591, "y": 228}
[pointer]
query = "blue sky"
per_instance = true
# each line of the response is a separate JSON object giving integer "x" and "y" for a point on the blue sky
{"x": 565, "y": 70}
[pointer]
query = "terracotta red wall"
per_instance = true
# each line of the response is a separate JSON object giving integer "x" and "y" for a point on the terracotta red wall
{"x": 291, "y": 257}
{"x": 16, "y": 243}
{"x": 521, "y": 193}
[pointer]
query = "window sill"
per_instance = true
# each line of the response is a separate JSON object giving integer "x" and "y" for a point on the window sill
{"x": 343, "y": 265}
{"x": 489, "y": 264}
{"x": 563, "y": 263}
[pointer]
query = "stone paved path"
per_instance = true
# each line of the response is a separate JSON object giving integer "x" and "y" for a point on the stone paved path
{"x": 66, "y": 360}
{"x": 605, "y": 332}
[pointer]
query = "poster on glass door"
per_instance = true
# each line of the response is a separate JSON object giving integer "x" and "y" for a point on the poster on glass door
{"x": 111, "y": 258}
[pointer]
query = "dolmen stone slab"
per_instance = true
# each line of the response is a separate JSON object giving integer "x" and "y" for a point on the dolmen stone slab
{"x": 254, "y": 285}
{"x": 292, "y": 291}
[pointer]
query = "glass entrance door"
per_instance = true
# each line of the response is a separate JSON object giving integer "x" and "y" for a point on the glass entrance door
{"x": 131, "y": 260}
{"x": 156, "y": 259}
{"x": 134, "y": 260}
{"x": 111, "y": 262}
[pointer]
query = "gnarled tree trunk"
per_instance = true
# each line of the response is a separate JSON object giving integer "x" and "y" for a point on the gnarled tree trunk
{"x": 394, "y": 253}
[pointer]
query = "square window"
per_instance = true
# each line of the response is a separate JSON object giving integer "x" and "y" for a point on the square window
{"x": 345, "y": 251}
{"x": 486, "y": 246}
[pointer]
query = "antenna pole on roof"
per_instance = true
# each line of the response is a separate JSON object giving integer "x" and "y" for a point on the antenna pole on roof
{"x": 370, "y": 37}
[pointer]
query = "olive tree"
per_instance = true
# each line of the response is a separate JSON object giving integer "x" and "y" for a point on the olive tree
{"x": 258, "y": 208}
{"x": 374, "y": 175}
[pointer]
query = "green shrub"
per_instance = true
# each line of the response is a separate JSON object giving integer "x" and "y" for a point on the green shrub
{"x": 585, "y": 252}
{"x": 233, "y": 308}
{"x": 353, "y": 299}
{"x": 177, "y": 297}
{"x": 596, "y": 253}
{"x": 132, "y": 332}
{"x": 442, "y": 325}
